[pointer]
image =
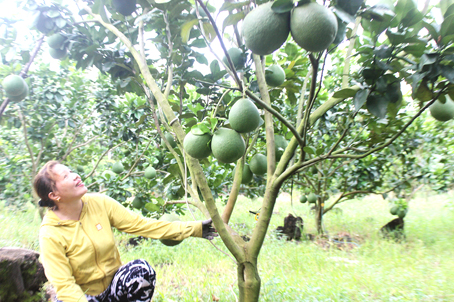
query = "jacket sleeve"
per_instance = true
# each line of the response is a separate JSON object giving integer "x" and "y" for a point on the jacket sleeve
{"x": 58, "y": 270}
{"x": 129, "y": 222}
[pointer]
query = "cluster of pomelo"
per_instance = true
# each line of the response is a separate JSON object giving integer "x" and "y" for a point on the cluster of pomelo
{"x": 58, "y": 48}
{"x": 400, "y": 208}
{"x": 311, "y": 198}
{"x": 16, "y": 89}
{"x": 312, "y": 26}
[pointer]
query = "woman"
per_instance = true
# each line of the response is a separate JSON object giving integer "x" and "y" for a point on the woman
{"x": 78, "y": 249}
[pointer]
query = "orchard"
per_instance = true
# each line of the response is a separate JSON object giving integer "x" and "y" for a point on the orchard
{"x": 169, "y": 104}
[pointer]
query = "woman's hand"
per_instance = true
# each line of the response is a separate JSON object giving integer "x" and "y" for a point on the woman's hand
{"x": 208, "y": 231}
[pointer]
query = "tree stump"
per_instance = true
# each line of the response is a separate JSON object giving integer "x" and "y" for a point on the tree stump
{"x": 21, "y": 275}
{"x": 394, "y": 229}
{"x": 293, "y": 226}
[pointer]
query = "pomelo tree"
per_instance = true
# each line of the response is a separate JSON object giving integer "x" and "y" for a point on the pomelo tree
{"x": 392, "y": 46}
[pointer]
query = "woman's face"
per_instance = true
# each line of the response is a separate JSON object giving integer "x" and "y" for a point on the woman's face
{"x": 69, "y": 185}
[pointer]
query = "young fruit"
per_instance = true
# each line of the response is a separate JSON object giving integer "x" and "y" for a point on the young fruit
{"x": 303, "y": 198}
{"x": 442, "y": 112}
{"x": 274, "y": 76}
{"x": 14, "y": 85}
{"x": 150, "y": 173}
{"x": 118, "y": 167}
{"x": 197, "y": 146}
{"x": 244, "y": 116}
{"x": 227, "y": 145}
{"x": 258, "y": 164}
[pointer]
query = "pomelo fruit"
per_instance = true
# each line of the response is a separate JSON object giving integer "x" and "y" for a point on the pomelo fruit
{"x": 227, "y": 145}
{"x": 303, "y": 198}
{"x": 80, "y": 169}
{"x": 170, "y": 139}
{"x": 19, "y": 97}
{"x": 118, "y": 167}
{"x": 197, "y": 146}
{"x": 137, "y": 203}
{"x": 237, "y": 57}
{"x": 149, "y": 173}
{"x": 124, "y": 7}
{"x": 274, "y": 76}
{"x": 313, "y": 26}
{"x": 442, "y": 112}
{"x": 393, "y": 210}
{"x": 170, "y": 218}
{"x": 312, "y": 198}
{"x": 14, "y": 85}
{"x": 280, "y": 143}
{"x": 244, "y": 116}
{"x": 58, "y": 53}
{"x": 264, "y": 31}
{"x": 56, "y": 41}
{"x": 258, "y": 164}
{"x": 247, "y": 174}
{"x": 401, "y": 212}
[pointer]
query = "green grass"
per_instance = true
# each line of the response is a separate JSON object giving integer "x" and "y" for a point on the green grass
{"x": 418, "y": 269}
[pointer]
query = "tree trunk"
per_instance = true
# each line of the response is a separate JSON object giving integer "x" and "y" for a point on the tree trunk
{"x": 318, "y": 218}
{"x": 248, "y": 282}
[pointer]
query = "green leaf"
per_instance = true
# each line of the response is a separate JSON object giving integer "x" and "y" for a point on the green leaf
{"x": 345, "y": 93}
{"x": 210, "y": 32}
{"x": 433, "y": 29}
{"x": 196, "y": 130}
{"x": 282, "y": 6}
{"x": 377, "y": 106}
{"x": 152, "y": 207}
{"x": 447, "y": 27}
{"x": 349, "y": 6}
{"x": 230, "y": 6}
{"x": 309, "y": 149}
{"x": 186, "y": 30}
{"x": 214, "y": 122}
{"x": 448, "y": 73}
{"x": 232, "y": 19}
{"x": 214, "y": 67}
{"x": 199, "y": 43}
{"x": 102, "y": 12}
{"x": 343, "y": 15}
{"x": 360, "y": 98}
{"x": 162, "y": 1}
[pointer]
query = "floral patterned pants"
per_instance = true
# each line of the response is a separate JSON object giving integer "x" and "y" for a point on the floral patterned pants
{"x": 133, "y": 282}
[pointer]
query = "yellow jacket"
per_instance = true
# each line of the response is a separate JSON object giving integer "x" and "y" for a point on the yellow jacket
{"x": 80, "y": 257}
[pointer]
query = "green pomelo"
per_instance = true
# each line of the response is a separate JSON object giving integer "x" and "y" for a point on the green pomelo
{"x": 244, "y": 116}
{"x": 280, "y": 144}
{"x": 393, "y": 210}
{"x": 19, "y": 97}
{"x": 313, "y": 26}
{"x": 170, "y": 218}
{"x": 80, "y": 169}
{"x": 170, "y": 139}
{"x": 247, "y": 174}
{"x": 58, "y": 53}
{"x": 442, "y": 112}
{"x": 149, "y": 172}
{"x": 401, "y": 212}
{"x": 312, "y": 198}
{"x": 137, "y": 203}
{"x": 118, "y": 167}
{"x": 258, "y": 164}
{"x": 14, "y": 85}
{"x": 236, "y": 55}
{"x": 56, "y": 41}
{"x": 227, "y": 145}
{"x": 264, "y": 31}
{"x": 197, "y": 146}
{"x": 303, "y": 198}
{"x": 124, "y": 7}
{"x": 274, "y": 76}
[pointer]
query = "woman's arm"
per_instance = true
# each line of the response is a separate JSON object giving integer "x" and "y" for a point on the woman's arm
{"x": 58, "y": 270}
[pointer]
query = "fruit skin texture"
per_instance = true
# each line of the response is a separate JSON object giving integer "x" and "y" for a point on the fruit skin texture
{"x": 303, "y": 198}
{"x": 264, "y": 31}
{"x": 19, "y": 97}
{"x": 258, "y": 164}
{"x": 118, "y": 167}
{"x": 244, "y": 116}
{"x": 169, "y": 218}
{"x": 14, "y": 85}
{"x": 312, "y": 198}
{"x": 56, "y": 41}
{"x": 313, "y": 26}
{"x": 197, "y": 146}
{"x": 171, "y": 140}
{"x": 124, "y": 7}
{"x": 442, "y": 112}
{"x": 276, "y": 76}
{"x": 280, "y": 143}
{"x": 58, "y": 53}
{"x": 150, "y": 172}
{"x": 236, "y": 55}
{"x": 227, "y": 145}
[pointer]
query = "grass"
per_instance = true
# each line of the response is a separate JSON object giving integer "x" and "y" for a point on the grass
{"x": 418, "y": 269}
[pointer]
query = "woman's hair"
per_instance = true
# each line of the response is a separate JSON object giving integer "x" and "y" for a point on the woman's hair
{"x": 44, "y": 183}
